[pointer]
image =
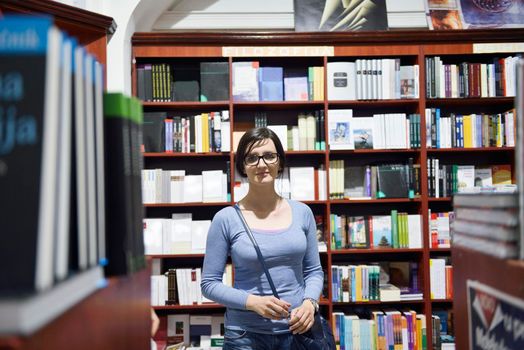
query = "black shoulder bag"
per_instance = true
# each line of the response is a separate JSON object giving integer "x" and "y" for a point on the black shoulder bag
{"x": 320, "y": 335}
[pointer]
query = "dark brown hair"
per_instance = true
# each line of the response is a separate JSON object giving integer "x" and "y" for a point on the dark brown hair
{"x": 250, "y": 139}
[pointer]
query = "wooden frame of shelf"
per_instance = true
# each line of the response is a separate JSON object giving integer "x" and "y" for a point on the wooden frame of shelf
{"x": 410, "y": 46}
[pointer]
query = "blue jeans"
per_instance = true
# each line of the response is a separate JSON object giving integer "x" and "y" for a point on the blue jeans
{"x": 244, "y": 340}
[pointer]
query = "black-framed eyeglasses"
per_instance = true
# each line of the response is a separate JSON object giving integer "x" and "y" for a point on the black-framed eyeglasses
{"x": 268, "y": 158}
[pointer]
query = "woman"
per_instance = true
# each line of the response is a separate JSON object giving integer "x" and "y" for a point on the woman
{"x": 286, "y": 233}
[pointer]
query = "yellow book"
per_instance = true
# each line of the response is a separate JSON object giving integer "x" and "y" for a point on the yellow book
{"x": 468, "y": 132}
{"x": 358, "y": 281}
{"x": 205, "y": 132}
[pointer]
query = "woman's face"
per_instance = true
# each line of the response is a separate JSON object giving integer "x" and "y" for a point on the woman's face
{"x": 261, "y": 164}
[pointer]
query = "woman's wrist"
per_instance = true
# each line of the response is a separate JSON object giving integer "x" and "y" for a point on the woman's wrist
{"x": 313, "y": 302}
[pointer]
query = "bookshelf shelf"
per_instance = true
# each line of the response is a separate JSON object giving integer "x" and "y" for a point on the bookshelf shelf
{"x": 180, "y": 154}
{"x": 411, "y": 48}
{"x": 470, "y": 150}
{"x": 374, "y": 201}
{"x": 365, "y": 151}
{"x": 442, "y": 301}
{"x": 189, "y": 307}
{"x": 375, "y": 251}
{"x": 175, "y": 256}
{"x": 192, "y": 204}
{"x": 375, "y": 303}
{"x": 440, "y": 199}
{"x": 473, "y": 102}
{"x": 186, "y": 105}
{"x": 374, "y": 104}
{"x": 278, "y": 105}
{"x": 439, "y": 250}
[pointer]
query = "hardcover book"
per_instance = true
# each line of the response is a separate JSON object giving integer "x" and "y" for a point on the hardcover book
{"x": 214, "y": 81}
{"x": 29, "y": 152}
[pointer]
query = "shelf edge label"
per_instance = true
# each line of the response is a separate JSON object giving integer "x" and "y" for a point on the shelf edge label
{"x": 498, "y": 47}
{"x": 277, "y": 51}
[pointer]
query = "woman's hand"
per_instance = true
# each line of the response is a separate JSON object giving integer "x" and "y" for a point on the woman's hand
{"x": 302, "y": 318}
{"x": 268, "y": 306}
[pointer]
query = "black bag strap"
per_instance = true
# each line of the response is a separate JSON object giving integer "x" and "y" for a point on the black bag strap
{"x": 257, "y": 248}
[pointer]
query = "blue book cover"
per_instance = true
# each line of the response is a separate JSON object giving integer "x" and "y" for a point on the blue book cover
{"x": 271, "y": 83}
{"x": 30, "y": 52}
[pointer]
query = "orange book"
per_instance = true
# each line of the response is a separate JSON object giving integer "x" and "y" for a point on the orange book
{"x": 501, "y": 174}
{"x": 449, "y": 282}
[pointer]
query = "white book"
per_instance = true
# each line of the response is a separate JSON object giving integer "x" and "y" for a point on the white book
{"x": 154, "y": 290}
{"x": 311, "y": 132}
{"x": 342, "y": 83}
{"x": 340, "y": 129}
{"x": 302, "y": 132}
{"x": 153, "y": 240}
{"x": 296, "y": 137}
{"x": 282, "y": 185}
{"x": 212, "y": 186}
{"x": 199, "y": 230}
{"x": 465, "y": 177}
{"x": 245, "y": 81}
{"x": 178, "y": 328}
{"x": 437, "y": 278}
{"x": 81, "y": 158}
{"x": 63, "y": 178}
{"x": 193, "y": 189}
{"x": 225, "y": 135}
{"x": 176, "y": 185}
{"x": 180, "y": 242}
{"x": 89, "y": 127}
{"x": 281, "y": 131}
{"x": 322, "y": 185}
{"x": 414, "y": 231}
{"x": 302, "y": 180}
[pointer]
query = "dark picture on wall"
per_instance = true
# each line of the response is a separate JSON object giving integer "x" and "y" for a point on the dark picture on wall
{"x": 340, "y": 15}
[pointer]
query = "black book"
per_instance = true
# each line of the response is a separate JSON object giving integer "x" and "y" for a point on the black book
{"x": 153, "y": 132}
{"x": 29, "y": 146}
{"x": 119, "y": 197}
{"x": 214, "y": 81}
{"x": 186, "y": 82}
{"x": 392, "y": 181}
{"x": 140, "y": 83}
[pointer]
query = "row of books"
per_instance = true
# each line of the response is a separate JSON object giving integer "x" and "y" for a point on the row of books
{"x": 298, "y": 183}
{"x": 398, "y": 230}
{"x": 372, "y": 79}
{"x": 487, "y": 222}
{"x": 373, "y": 181}
{"x": 175, "y": 186}
{"x": 381, "y": 330}
{"x": 190, "y": 332}
{"x": 471, "y": 79}
{"x": 380, "y": 131}
{"x": 441, "y": 279}
{"x": 201, "y": 133}
{"x": 440, "y": 229}
{"x": 62, "y": 148}
{"x": 181, "y": 286}
{"x": 163, "y": 82}
{"x": 469, "y": 131}
{"x": 178, "y": 235}
{"x": 308, "y": 135}
{"x": 252, "y": 82}
{"x": 445, "y": 180}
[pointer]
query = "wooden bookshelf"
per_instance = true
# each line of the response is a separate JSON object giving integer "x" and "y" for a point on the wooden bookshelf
{"x": 117, "y": 315}
{"x": 412, "y": 47}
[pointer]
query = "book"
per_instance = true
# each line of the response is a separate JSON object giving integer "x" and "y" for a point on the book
{"x": 341, "y": 81}
{"x": 214, "y": 81}
{"x": 391, "y": 181}
{"x": 29, "y": 152}
{"x": 271, "y": 83}
{"x": 245, "y": 81}
{"x": 153, "y": 132}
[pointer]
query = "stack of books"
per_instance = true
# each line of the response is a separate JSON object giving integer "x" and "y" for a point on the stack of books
{"x": 487, "y": 222}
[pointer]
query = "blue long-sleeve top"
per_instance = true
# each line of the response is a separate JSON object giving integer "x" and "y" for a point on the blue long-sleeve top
{"x": 291, "y": 255}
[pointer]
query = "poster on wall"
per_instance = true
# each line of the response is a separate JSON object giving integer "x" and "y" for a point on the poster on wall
{"x": 492, "y": 13}
{"x": 340, "y": 15}
{"x": 496, "y": 319}
{"x": 444, "y": 14}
